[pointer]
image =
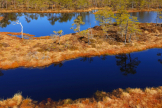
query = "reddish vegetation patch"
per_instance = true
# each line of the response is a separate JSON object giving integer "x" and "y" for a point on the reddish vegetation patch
{"x": 129, "y": 98}
{"x": 13, "y": 33}
{"x": 1, "y": 18}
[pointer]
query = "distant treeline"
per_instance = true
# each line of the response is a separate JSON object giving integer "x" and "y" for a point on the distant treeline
{"x": 76, "y": 4}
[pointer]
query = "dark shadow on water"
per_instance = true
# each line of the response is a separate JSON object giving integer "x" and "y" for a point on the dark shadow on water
{"x": 58, "y": 64}
{"x": 89, "y": 59}
{"x": 126, "y": 63}
{"x": 159, "y": 53}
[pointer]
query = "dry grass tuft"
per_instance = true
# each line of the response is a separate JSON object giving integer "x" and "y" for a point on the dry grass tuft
{"x": 133, "y": 98}
{"x": 12, "y": 102}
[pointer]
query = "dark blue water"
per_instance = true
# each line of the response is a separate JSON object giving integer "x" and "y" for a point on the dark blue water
{"x": 82, "y": 77}
{"x": 43, "y": 24}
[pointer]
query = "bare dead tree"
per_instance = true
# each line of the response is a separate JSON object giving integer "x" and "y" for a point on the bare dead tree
{"x": 17, "y": 22}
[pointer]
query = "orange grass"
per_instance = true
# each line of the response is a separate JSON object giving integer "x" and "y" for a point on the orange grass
{"x": 1, "y": 18}
{"x": 128, "y": 98}
{"x": 12, "y": 33}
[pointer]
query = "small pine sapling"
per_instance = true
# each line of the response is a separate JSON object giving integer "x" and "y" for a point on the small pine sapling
{"x": 59, "y": 34}
{"x": 77, "y": 22}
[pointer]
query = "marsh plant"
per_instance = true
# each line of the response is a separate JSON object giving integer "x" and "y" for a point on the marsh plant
{"x": 58, "y": 34}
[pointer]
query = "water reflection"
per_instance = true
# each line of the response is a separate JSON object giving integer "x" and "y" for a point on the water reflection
{"x": 103, "y": 57}
{"x": 159, "y": 54}
{"x": 60, "y": 64}
{"x": 1, "y": 74}
{"x": 51, "y": 17}
{"x": 64, "y": 17}
{"x": 145, "y": 17}
{"x": 127, "y": 64}
{"x": 43, "y": 24}
{"x": 8, "y": 18}
{"x": 89, "y": 59}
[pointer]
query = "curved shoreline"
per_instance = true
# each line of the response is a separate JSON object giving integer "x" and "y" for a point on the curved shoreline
{"x": 75, "y": 56}
{"x": 119, "y": 98}
{"x": 44, "y": 51}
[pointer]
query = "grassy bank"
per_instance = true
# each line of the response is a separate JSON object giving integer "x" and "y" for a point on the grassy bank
{"x": 138, "y": 10}
{"x": 50, "y": 11}
{"x": 43, "y": 51}
{"x": 71, "y": 11}
{"x": 129, "y": 98}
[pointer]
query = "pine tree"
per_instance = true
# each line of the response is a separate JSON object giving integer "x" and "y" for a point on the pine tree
{"x": 77, "y": 22}
{"x": 105, "y": 17}
{"x": 127, "y": 24}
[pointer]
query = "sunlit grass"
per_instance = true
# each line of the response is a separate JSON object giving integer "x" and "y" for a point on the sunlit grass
{"x": 129, "y": 98}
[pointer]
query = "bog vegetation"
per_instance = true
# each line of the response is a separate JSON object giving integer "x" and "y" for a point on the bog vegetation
{"x": 76, "y": 4}
{"x": 129, "y": 98}
{"x": 124, "y": 36}
{"x": 108, "y": 38}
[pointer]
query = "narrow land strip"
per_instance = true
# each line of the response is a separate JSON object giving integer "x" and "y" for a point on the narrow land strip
{"x": 50, "y": 11}
{"x": 71, "y": 11}
{"x": 43, "y": 51}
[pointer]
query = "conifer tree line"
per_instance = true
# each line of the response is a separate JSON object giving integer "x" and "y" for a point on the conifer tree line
{"x": 77, "y": 4}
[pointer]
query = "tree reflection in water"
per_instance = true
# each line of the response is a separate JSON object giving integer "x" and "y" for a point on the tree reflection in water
{"x": 103, "y": 57}
{"x": 1, "y": 74}
{"x": 89, "y": 59}
{"x": 127, "y": 64}
{"x": 159, "y": 54}
{"x": 52, "y": 17}
{"x": 60, "y": 64}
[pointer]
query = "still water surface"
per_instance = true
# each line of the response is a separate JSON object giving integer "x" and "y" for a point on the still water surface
{"x": 81, "y": 77}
